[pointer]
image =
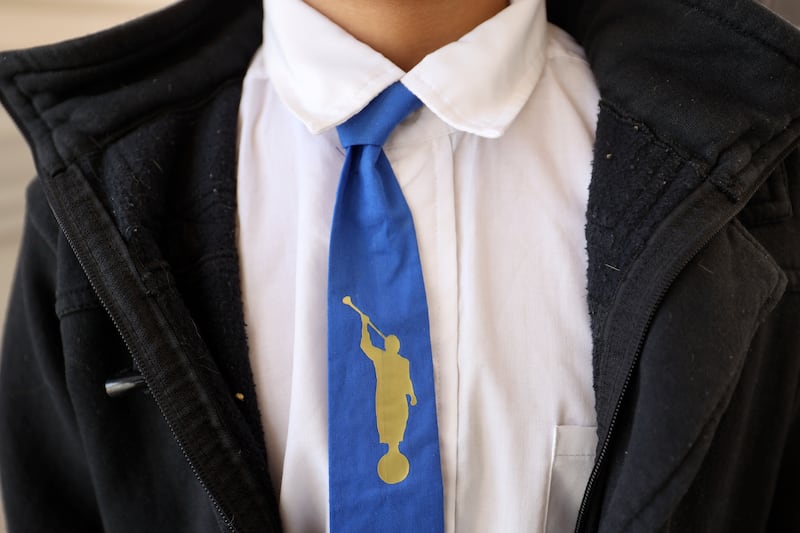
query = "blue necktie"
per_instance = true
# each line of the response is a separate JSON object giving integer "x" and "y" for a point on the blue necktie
{"x": 384, "y": 468}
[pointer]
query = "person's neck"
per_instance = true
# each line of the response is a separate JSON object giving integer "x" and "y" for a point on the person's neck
{"x": 405, "y": 31}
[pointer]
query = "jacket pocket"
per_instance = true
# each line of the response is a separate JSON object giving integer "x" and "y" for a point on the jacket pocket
{"x": 572, "y": 462}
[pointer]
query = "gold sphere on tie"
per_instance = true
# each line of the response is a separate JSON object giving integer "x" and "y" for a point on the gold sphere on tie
{"x": 393, "y": 467}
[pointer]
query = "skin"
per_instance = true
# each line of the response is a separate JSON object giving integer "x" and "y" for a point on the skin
{"x": 405, "y": 31}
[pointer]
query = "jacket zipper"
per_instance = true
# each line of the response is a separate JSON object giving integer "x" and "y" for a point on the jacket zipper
{"x": 580, "y": 526}
{"x": 125, "y": 339}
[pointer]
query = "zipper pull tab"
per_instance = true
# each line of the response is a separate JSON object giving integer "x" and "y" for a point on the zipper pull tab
{"x": 124, "y": 383}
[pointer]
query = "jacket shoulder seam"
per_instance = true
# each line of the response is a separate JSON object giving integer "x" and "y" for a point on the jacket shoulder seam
{"x": 676, "y": 152}
{"x": 742, "y": 31}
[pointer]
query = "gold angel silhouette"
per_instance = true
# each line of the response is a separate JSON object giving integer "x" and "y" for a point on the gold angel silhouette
{"x": 393, "y": 390}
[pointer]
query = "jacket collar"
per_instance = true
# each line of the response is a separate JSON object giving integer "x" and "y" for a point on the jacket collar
{"x": 713, "y": 79}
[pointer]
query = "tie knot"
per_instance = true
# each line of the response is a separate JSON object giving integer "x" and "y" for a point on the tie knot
{"x": 373, "y": 124}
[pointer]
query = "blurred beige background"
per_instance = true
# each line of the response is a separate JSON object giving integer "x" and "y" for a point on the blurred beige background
{"x": 25, "y": 23}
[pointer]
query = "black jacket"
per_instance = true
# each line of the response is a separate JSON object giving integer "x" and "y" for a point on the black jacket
{"x": 129, "y": 264}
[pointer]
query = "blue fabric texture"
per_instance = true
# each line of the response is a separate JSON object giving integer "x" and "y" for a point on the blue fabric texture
{"x": 384, "y": 466}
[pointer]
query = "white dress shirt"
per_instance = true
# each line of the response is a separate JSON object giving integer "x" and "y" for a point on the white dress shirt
{"x": 495, "y": 168}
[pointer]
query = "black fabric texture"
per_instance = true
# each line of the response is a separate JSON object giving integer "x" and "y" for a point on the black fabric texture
{"x": 72, "y": 460}
{"x": 129, "y": 263}
{"x": 754, "y": 492}
{"x": 688, "y": 371}
{"x": 157, "y": 184}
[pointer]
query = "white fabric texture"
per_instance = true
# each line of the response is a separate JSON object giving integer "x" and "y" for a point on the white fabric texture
{"x": 495, "y": 168}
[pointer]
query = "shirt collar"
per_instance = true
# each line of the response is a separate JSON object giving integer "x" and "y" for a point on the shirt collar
{"x": 477, "y": 84}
